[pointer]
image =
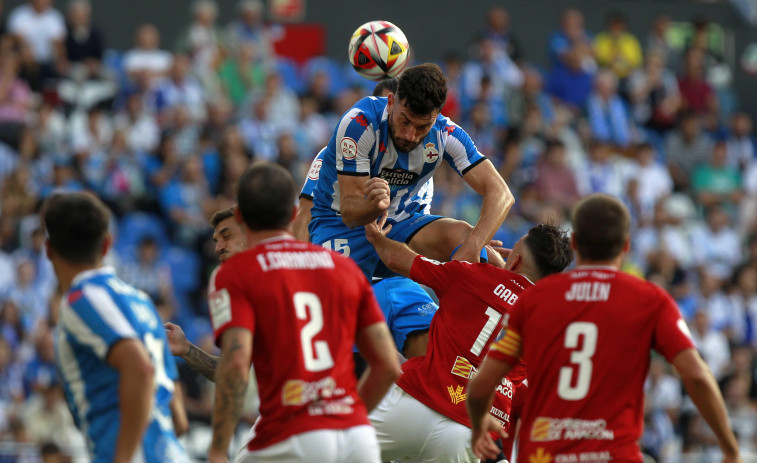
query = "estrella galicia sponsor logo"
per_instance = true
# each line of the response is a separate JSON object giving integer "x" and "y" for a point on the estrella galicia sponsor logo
{"x": 399, "y": 177}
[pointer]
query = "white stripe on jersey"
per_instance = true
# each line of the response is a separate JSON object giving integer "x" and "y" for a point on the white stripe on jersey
{"x": 76, "y": 327}
{"x": 101, "y": 301}
{"x": 69, "y": 369}
{"x": 453, "y": 145}
{"x": 364, "y": 144}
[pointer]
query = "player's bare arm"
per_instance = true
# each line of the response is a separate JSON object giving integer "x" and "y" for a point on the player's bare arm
{"x": 135, "y": 386}
{"x": 480, "y": 395}
{"x": 178, "y": 412}
{"x": 498, "y": 200}
{"x": 197, "y": 359}
{"x": 377, "y": 347}
{"x": 362, "y": 199}
{"x": 302, "y": 219}
{"x": 231, "y": 386}
{"x": 704, "y": 392}
{"x": 397, "y": 256}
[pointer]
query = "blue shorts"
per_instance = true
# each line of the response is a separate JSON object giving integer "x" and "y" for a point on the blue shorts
{"x": 332, "y": 233}
{"x": 407, "y": 307}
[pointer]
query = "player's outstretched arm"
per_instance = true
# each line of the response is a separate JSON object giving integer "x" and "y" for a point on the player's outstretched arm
{"x": 362, "y": 200}
{"x": 231, "y": 387}
{"x": 376, "y": 345}
{"x": 135, "y": 394}
{"x": 197, "y": 359}
{"x": 480, "y": 395}
{"x": 302, "y": 219}
{"x": 704, "y": 392}
{"x": 498, "y": 200}
{"x": 397, "y": 256}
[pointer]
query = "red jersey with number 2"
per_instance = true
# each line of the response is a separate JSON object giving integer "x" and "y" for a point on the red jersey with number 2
{"x": 473, "y": 301}
{"x": 304, "y": 305}
{"x": 586, "y": 337}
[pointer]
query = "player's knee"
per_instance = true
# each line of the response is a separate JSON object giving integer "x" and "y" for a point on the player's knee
{"x": 459, "y": 233}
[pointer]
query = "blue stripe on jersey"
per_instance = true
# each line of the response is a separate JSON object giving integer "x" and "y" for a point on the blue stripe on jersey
{"x": 361, "y": 144}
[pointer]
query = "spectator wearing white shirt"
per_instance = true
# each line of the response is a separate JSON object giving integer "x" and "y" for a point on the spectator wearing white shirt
{"x": 748, "y": 206}
{"x": 721, "y": 311}
{"x": 43, "y": 29}
{"x": 178, "y": 89}
{"x": 504, "y": 74}
{"x": 712, "y": 344}
{"x": 662, "y": 402}
{"x": 717, "y": 245}
{"x": 146, "y": 62}
{"x": 649, "y": 183}
{"x": 604, "y": 172}
{"x": 141, "y": 128}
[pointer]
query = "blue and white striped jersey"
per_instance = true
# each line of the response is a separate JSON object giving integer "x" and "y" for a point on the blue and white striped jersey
{"x": 361, "y": 145}
{"x": 98, "y": 311}
{"x": 426, "y": 193}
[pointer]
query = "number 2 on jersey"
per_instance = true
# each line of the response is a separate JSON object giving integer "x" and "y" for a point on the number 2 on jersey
{"x": 581, "y": 358}
{"x": 316, "y": 353}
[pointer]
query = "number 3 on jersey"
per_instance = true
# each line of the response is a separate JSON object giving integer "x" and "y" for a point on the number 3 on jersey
{"x": 316, "y": 353}
{"x": 581, "y": 358}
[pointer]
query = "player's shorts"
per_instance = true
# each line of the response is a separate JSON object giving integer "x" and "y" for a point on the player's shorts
{"x": 333, "y": 234}
{"x": 352, "y": 445}
{"x": 407, "y": 307}
{"x": 409, "y": 431}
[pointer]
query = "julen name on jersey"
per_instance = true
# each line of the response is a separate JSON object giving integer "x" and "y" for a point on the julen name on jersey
{"x": 399, "y": 177}
{"x": 588, "y": 291}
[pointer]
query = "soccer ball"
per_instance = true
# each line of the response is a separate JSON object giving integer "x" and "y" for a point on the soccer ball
{"x": 378, "y": 49}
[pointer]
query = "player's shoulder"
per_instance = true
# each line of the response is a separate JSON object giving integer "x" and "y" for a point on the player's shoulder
{"x": 370, "y": 107}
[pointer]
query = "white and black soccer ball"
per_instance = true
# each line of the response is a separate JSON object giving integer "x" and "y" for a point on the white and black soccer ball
{"x": 378, "y": 49}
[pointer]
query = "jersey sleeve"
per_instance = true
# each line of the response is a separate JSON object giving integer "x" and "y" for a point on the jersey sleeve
{"x": 438, "y": 276}
{"x": 671, "y": 334}
{"x": 459, "y": 150}
{"x": 508, "y": 346}
{"x": 354, "y": 140}
{"x": 96, "y": 320}
{"x": 228, "y": 302}
{"x": 314, "y": 174}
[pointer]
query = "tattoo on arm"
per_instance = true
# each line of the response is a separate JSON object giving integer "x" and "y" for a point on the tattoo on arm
{"x": 231, "y": 389}
{"x": 202, "y": 362}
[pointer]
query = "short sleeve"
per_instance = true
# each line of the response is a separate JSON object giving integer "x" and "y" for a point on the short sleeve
{"x": 369, "y": 311}
{"x": 438, "y": 276}
{"x": 314, "y": 173}
{"x": 459, "y": 150}
{"x": 228, "y": 301}
{"x": 354, "y": 140}
{"x": 671, "y": 334}
{"x": 95, "y": 320}
{"x": 508, "y": 346}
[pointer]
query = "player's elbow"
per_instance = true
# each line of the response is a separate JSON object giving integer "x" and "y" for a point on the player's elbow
{"x": 351, "y": 220}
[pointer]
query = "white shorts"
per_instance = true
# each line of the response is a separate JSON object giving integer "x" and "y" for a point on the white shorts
{"x": 409, "y": 431}
{"x": 352, "y": 445}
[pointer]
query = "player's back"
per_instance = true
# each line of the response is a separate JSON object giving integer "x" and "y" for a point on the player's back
{"x": 307, "y": 304}
{"x": 97, "y": 312}
{"x": 586, "y": 338}
{"x": 473, "y": 301}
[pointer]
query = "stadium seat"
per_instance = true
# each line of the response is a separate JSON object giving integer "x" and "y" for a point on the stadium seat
{"x": 185, "y": 269}
{"x": 290, "y": 74}
{"x": 136, "y": 226}
{"x": 330, "y": 67}
{"x": 353, "y": 79}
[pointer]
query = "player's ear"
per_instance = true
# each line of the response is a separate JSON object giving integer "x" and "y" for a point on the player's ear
{"x": 107, "y": 241}
{"x": 389, "y": 101}
{"x": 294, "y": 214}
{"x": 627, "y": 245}
{"x": 48, "y": 249}
{"x": 238, "y": 215}
{"x": 573, "y": 241}
{"x": 516, "y": 261}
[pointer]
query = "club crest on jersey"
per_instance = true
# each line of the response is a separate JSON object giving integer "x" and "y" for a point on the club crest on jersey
{"x": 430, "y": 153}
{"x": 348, "y": 147}
{"x": 315, "y": 169}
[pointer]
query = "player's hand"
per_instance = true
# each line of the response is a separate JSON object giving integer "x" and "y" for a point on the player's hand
{"x": 495, "y": 258}
{"x": 377, "y": 228}
{"x": 496, "y": 245}
{"x": 468, "y": 253}
{"x": 482, "y": 444}
{"x": 214, "y": 456}
{"x": 177, "y": 341}
{"x": 378, "y": 193}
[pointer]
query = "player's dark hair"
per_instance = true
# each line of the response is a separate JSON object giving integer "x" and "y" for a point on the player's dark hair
{"x": 422, "y": 88}
{"x": 389, "y": 84}
{"x": 76, "y": 225}
{"x": 600, "y": 227}
{"x": 549, "y": 246}
{"x": 220, "y": 216}
{"x": 265, "y": 197}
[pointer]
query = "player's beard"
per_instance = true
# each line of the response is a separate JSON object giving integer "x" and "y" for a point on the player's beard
{"x": 400, "y": 144}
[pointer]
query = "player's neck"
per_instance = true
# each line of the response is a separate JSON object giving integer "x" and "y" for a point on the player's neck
{"x": 256, "y": 237}
{"x": 614, "y": 263}
{"x": 66, "y": 273}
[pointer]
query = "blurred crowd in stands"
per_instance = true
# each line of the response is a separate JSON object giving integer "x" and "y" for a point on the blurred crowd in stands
{"x": 163, "y": 131}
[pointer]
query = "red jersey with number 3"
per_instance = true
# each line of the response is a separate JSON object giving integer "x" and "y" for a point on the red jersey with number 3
{"x": 473, "y": 301}
{"x": 304, "y": 305}
{"x": 585, "y": 336}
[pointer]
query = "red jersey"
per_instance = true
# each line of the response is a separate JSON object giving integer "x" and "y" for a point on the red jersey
{"x": 585, "y": 336}
{"x": 473, "y": 301}
{"x": 304, "y": 305}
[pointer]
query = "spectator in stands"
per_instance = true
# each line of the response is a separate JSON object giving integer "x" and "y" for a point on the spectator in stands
{"x": 283, "y": 107}
{"x": 46, "y": 416}
{"x": 744, "y": 298}
{"x": 742, "y": 413}
{"x": 146, "y": 62}
{"x": 85, "y": 42}
{"x": 186, "y": 201}
{"x": 504, "y": 75}
{"x": 91, "y": 133}
{"x": 41, "y": 370}
{"x": 258, "y": 132}
{"x": 241, "y": 73}
{"x": 11, "y": 376}
{"x": 748, "y": 212}
{"x": 532, "y": 93}
{"x": 649, "y": 183}
{"x": 147, "y": 271}
{"x": 15, "y": 99}
{"x": 249, "y": 27}
{"x": 202, "y": 41}
{"x": 43, "y": 29}
{"x": 603, "y": 172}
{"x": 715, "y": 182}
{"x": 720, "y": 308}
{"x": 315, "y": 129}
{"x": 51, "y": 453}
{"x": 607, "y": 112}
{"x": 141, "y": 128}
{"x": 718, "y": 246}
{"x": 498, "y": 31}
{"x": 11, "y": 325}
{"x": 657, "y": 40}
{"x": 686, "y": 148}
{"x": 481, "y": 128}
{"x": 555, "y": 182}
{"x": 571, "y": 56}
{"x": 28, "y": 295}
{"x": 616, "y": 48}
{"x": 661, "y": 404}
{"x": 653, "y": 91}
{"x": 741, "y": 142}
{"x": 32, "y": 248}
{"x": 178, "y": 89}
{"x": 697, "y": 95}
{"x": 712, "y": 344}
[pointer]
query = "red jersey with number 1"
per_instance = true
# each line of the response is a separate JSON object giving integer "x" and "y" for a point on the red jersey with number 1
{"x": 473, "y": 301}
{"x": 585, "y": 336}
{"x": 304, "y": 305}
